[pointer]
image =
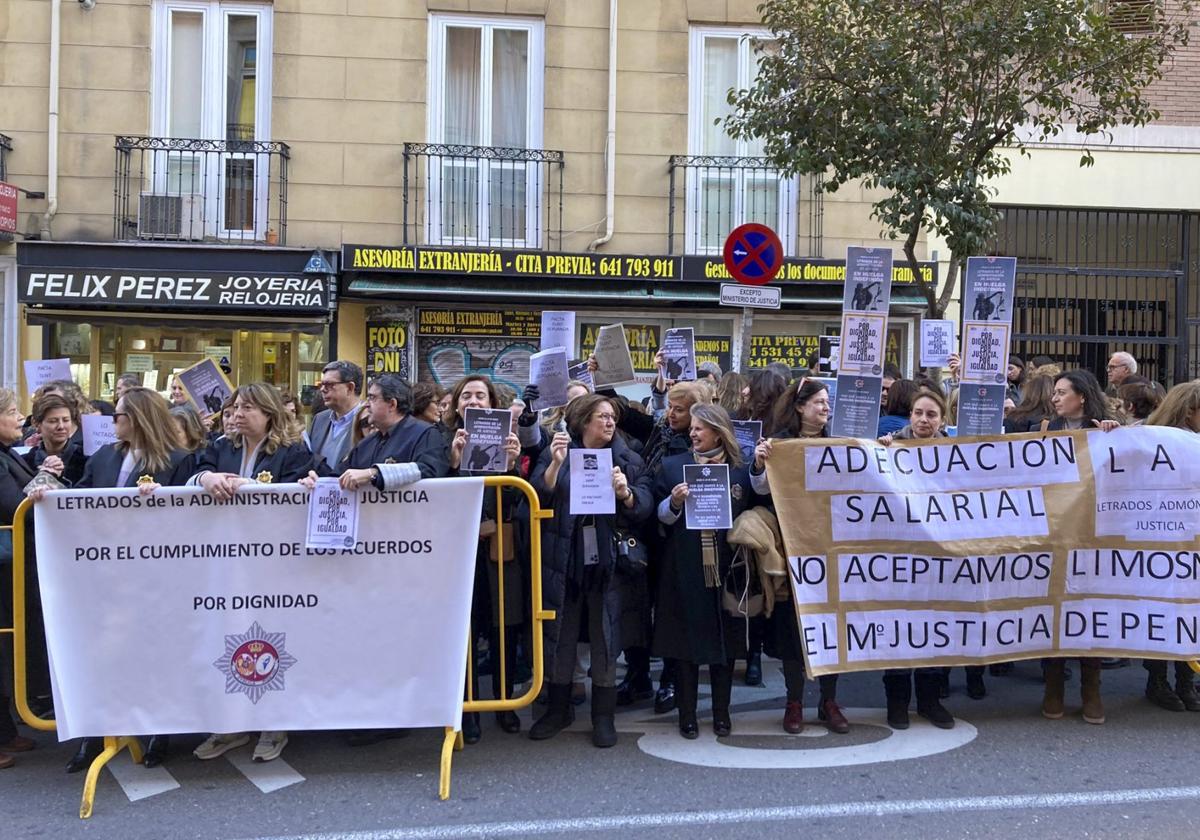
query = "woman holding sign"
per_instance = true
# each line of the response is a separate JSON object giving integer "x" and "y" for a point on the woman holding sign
{"x": 691, "y": 625}
{"x": 926, "y": 421}
{"x": 802, "y": 411}
{"x": 589, "y": 558}
{"x": 1180, "y": 410}
{"x": 146, "y": 455}
{"x": 266, "y": 446}
{"x": 1079, "y": 403}
{"x": 476, "y": 396}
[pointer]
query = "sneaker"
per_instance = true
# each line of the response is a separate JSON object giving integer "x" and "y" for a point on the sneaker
{"x": 218, "y": 745}
{"x": 270, "y": 745}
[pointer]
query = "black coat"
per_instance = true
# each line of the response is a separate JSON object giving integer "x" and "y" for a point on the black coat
{"x": 690, "y": 623}
{"x": 104, "y": 468}
{"x": 560, "y": 560}
{"x": 74, "y": 461}
{"x": 409, "y": 441}
{"x": 287, "y": 464}
{"x": 15, "y": 473}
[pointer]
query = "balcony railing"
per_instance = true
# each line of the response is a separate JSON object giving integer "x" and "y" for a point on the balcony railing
{"x": 229, "y": 191}
{"x": 720, "y": 193}
{"x": 482, "y": 196}
{"x": 5, "y": 148}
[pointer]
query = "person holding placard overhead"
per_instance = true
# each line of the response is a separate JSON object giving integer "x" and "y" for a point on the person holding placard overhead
{"x": 1079, "y": 403}
{"x": 588, "y": 560}
{"x": 477, "y": 391}
{"x": 802, "y": 411}
{"x": 691, "y": 625}
{"x": 146, "y": 455}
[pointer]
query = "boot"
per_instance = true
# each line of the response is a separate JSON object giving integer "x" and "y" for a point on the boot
{"x": 754, "y": 669}
{"x": 604, "y": 709}
{"x": 156, "y": 750}
{"x": 89, "y": 749}
{"x": 976, "y": 690}
{"x": 687, "y": 679}
{"x": 1158, "y": 692}
{"x": 664, "y": 698}
{"x": 897, "y": 688}
{"x": 1052, "y": 701}
{"x": 559, "y": 713}
{"x": 721, "y": 678}
{"x": 636, "y": 684}
{"x": 1185, "y": 689}
{"x": 1089, "y": 676}
{"x": 929, "y": 704}
{"x": 507, "y": 720}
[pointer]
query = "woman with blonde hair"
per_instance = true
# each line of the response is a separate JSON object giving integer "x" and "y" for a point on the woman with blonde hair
{"x": 363, "y": 427}
{"x": 691, "y": 625}
{"x": 192, "y": 435}
{"x": 265, "y": 447}
{"x": 146, "y": 455}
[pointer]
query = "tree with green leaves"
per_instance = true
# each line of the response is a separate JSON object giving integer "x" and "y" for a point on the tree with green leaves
{"x": 923, "y": 98}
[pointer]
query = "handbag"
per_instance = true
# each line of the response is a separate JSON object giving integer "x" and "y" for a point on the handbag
{"x": 509, "y": 544}
{"x": 742, "y": 595}
{"x": 631, "y": 554}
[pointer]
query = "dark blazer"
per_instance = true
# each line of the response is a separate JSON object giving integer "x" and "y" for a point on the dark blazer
{"x": 14, "y": 475}
{"x": 104, "y": 467}
{"x": 286, "y": 464}
{"x": 74, "y": 461}
{"x": 319, "y": 432}
{"x": 410, "y": 440}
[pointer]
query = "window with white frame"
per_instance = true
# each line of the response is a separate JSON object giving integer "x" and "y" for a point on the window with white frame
{"x": 485, "y": 105}
{"x": 212, "y": 85}
{"x": 728, "y": 181}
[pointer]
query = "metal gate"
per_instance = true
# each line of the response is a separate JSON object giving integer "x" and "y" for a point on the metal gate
{"x": 1093, "y": 281}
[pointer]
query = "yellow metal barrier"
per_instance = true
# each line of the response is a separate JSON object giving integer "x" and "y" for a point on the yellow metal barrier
{"x": 453, "y": 740}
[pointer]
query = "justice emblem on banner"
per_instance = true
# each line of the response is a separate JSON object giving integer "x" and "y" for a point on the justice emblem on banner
{"x": 254, "y": 662}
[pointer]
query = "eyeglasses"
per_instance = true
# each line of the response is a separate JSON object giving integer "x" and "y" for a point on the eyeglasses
{"x": 1118, "y": 365}
{"x": 117, "y": 414}
{"x": 325, "y": 385}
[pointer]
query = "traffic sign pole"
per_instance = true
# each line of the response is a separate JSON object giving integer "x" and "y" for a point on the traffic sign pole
{"x": 753, "y": 255}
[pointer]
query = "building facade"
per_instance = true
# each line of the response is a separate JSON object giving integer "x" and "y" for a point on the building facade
{"x": 448, "y": 167}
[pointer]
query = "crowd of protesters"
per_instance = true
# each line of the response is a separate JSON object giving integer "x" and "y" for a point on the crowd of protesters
{"x": 635, "y": 585}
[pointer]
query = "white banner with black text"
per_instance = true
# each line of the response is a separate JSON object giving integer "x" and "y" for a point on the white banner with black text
{"x": 177, "y": 613}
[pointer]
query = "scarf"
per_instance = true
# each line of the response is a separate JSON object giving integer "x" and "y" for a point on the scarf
{"x": 709, "y": 555}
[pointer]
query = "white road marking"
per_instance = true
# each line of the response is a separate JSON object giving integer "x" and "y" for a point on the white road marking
{"x": 836, "y": 810}
{"x": 140, "y": 782}
{"x": 920, "y": 740}
{"x": 267, "y": 776}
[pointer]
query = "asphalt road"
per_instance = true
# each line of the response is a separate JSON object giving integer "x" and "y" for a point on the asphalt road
{"x": 1004, "y": 771}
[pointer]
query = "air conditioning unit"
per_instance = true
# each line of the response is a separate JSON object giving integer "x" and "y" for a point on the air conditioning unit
{"x": 178, "y": 216}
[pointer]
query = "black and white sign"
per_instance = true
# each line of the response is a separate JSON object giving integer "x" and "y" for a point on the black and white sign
{"x": 548, "y": 370}
{"x": 679, "y": 355}
{"x": 707, "y": 505}
{"x": 937, "y": 342}
{"x": 558, "y": 329}
{"x": 487, "y": 429}
{"x": 98, "y": 431}
{"x": 856, "y": 406}
{"x": 332, "y": 516}
{"x": 591, "y": 482}
{"x": 614, "y": 363}
{"x": 207, "y": 387}
{"x": 748, "y": 434}
{"x": 194, "y": 290}
{"x": 759, "y": 297}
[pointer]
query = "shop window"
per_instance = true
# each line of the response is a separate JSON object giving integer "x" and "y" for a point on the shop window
{"x": 212, "y": 86}
{"x": 485, "y": 100}
{"x": 728, "y": 181}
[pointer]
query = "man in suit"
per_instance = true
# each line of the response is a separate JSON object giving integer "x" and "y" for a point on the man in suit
{"x": 341, "y": 386}
{"x": 402, "y": 450}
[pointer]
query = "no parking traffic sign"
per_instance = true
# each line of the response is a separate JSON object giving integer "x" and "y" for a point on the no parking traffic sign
{"x": 753, "y": 254}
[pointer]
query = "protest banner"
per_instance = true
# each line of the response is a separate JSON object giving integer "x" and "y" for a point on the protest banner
{"x": 551, "y": 373}
{"x": 40, "y": 371}
{"x": 679, "y": 355}
{"x": 98, "y": 431}
{"x": 988, "y": 298}
{"x": 487, "y": 432}
{"x": 238, "y": 627}
{"x": 866, "y": 298}
{"x": 971, "y": 551}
